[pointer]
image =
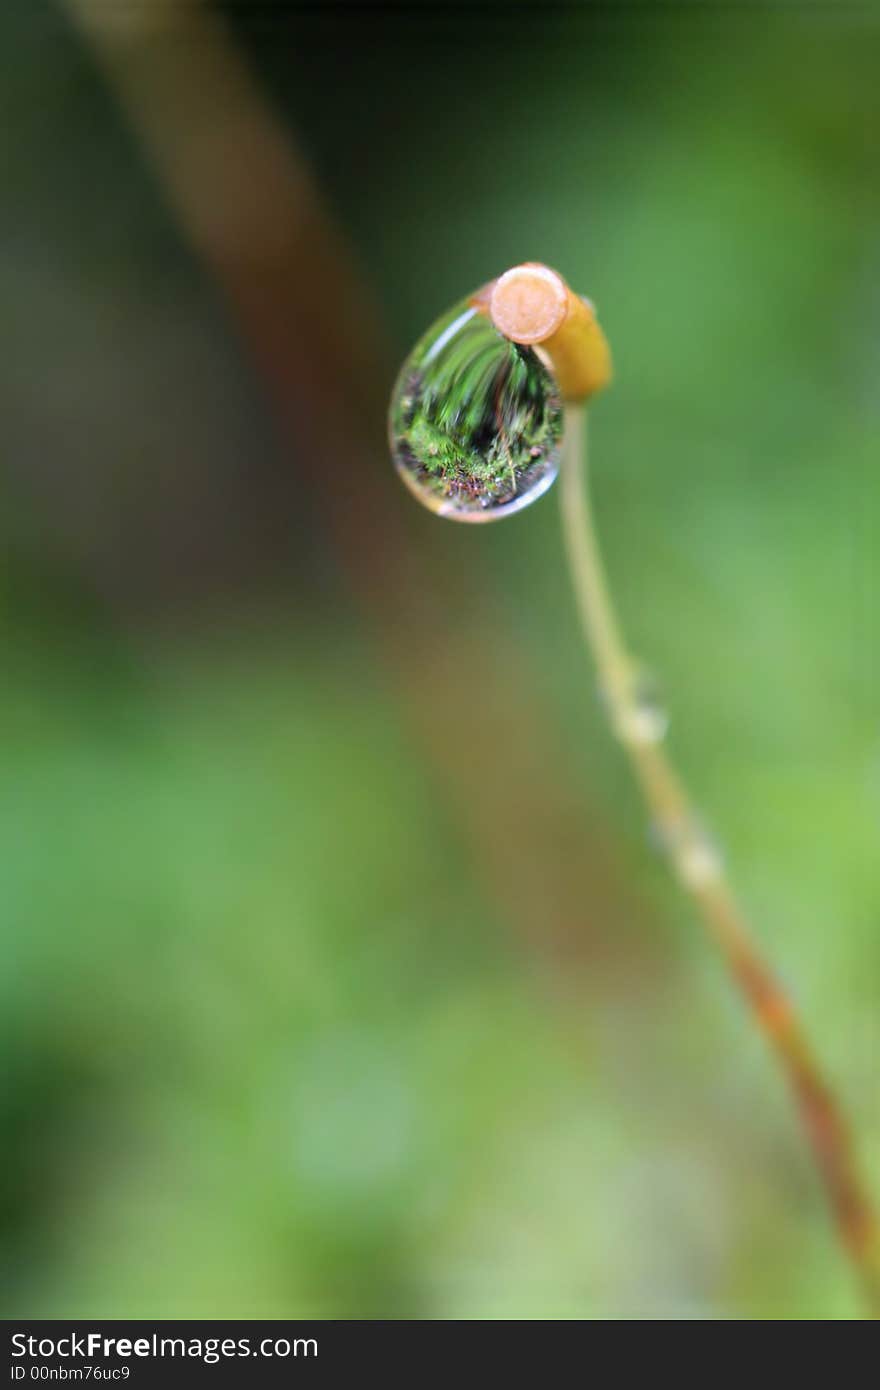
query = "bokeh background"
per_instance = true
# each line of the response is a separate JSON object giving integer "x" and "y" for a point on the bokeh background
{"x": 339, "y": 975}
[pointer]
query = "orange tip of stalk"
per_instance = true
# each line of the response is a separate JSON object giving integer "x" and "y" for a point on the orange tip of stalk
{"x": 531, "y": 304}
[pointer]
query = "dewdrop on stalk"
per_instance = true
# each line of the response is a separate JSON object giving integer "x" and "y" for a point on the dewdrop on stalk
{"x": 477, "y": 415}
{"x": 487, "y": 410}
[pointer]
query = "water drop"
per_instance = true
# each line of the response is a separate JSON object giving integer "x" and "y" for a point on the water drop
{"x": 699, "y": 860}
{"x": 476, "y": 420}
{"x": 695, "y": 853}
{"x": 638, "y": 714}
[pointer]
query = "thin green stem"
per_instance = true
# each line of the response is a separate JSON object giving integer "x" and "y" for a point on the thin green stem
{"x": 701, "y": 872}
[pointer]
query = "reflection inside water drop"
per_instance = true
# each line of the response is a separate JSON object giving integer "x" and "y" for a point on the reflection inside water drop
{"x": 475, "y": 421}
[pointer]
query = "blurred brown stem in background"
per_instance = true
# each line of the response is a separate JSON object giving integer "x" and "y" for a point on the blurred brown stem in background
{"x": 699, "y": 868}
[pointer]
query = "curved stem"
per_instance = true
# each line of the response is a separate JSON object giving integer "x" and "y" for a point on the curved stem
{"x": 700, "y": 870}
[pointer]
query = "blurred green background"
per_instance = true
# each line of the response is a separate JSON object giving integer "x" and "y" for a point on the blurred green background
{"x": 340, "y": 977}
